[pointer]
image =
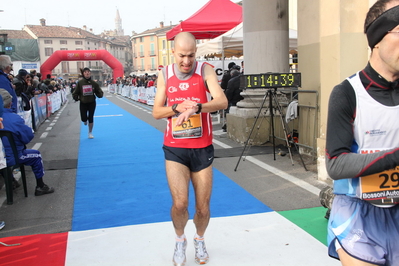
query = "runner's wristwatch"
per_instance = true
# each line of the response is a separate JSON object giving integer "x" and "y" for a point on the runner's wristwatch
{"x": 199, "y": 105}
{"x": 174, "y": 108}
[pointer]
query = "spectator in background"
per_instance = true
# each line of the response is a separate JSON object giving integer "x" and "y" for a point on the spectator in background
{"x": 2, "y": 223}
{"x": 5, "y": 83}
{"x": 233, "y": 88}
{"x": 72, "y": 85}
{"x": 23, "y": 88}
{"x": 141, "y": 82}
{"x": 53, "y": 86}
{"x": 44, "y": 86}
{"x": 50, "y": 85}
{"x": 22, "y": 136}
{"x": 11, "y": 78}
{"x": 233, "y": 91}
{"x": 226, "y": 76}
{"x": 150, "y": 82}
{"x": 33, "y": 74}
{"x": 155, "y": 78}
{"x": 134, "y": 81}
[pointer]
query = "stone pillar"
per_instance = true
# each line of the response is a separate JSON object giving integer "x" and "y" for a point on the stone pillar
{"x": 266, "y": 36}
{"x": 266, "y": 49}
{"x": 331, "y": 47}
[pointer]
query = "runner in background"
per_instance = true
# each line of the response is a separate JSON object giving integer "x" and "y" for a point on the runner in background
{"x": 86, "y": 92}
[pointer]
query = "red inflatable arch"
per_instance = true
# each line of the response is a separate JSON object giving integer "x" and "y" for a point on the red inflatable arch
{"x": 82, "y": 55}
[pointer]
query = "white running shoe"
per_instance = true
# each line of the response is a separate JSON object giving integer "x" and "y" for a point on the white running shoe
{"x": 91, "y": 136}
{"x": 179, "y": 257}
{"x": 201, "y": 255}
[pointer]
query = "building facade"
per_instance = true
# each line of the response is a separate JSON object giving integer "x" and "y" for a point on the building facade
{"x": 52, "y": 38}
{"x": 151, "y": 50}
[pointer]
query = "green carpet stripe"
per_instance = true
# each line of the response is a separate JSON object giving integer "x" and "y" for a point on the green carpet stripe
{"x": 311, "y": 220}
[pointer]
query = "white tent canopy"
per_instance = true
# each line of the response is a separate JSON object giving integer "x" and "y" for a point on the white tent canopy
{"x": 231, "y": 43}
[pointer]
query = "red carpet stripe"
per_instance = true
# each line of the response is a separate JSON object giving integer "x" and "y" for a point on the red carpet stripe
{"x": 34, "y": 250}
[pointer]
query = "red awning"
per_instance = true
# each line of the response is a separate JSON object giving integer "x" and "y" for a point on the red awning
{"x": 213, "y": 19}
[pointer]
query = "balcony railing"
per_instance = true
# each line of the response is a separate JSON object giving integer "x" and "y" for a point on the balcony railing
{"x": 96, "y": 67}
{"x": 151, "y": 67}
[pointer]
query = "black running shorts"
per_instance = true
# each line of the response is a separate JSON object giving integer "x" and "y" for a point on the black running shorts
{"x": 194, "y": 159}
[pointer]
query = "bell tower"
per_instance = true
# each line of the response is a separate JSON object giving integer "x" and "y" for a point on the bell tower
{"x": 118, "y": 24}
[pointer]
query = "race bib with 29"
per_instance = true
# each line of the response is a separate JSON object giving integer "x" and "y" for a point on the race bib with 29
{"x": 381, "y": 188}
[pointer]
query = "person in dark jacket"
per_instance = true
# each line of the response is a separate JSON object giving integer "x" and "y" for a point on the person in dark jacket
{"x": 227, "y": 76}
{"x": 233, "y": 89}
{"x": 23, "y": 88}
{"x": 44, "y": 86}
{"x": 86, "y": 92}
{"x": 22, "y": 135}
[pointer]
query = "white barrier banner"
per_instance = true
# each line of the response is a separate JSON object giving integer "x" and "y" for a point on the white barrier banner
{"x": 150, "y": 95}
{"x": 142, "y": 95}
{"x": 3, "y": 161}
{"x": 126, "y": 91}
{"x": 120, "y": 89}
{"x": 134, "y": 93}
{"x": 112, "y": 88}
{"x": 55, "y": 99}
{"x": 138, "y": 94}
{"x": 25, "y": 115}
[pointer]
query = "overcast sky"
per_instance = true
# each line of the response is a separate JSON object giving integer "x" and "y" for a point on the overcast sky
{"x": 99, "y": 15}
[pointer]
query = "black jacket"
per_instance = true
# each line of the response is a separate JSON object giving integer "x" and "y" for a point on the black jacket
{"x": 225, "y": 79}
{"x": 23, "y": 90}
{"x": 233, "y": 91}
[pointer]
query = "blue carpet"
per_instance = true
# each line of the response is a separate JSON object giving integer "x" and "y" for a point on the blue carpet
{"x": 121, "y": 176}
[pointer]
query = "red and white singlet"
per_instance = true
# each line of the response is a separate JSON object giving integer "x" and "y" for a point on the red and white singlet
{"x": 197, "y": 131}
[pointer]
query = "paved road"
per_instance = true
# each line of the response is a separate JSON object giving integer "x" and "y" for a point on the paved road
{"x": 282, "y": 187}
{"x": 277, "y": 183}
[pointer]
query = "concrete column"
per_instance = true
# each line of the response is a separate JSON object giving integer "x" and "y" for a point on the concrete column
{"x": 266, "y": 49}
{"x": 331, "y": 47}
{"x": 266, "y": 36}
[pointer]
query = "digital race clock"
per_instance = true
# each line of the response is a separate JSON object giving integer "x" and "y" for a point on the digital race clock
{"x": 271, "y": 80}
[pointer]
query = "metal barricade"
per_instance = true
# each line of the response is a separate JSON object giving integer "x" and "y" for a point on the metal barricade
{"x": 306, "y": 123}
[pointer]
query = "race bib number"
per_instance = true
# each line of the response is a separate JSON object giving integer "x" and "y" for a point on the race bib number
{"x": 381, "y": 188}
{"x": 190, "y": 129}
{"x": 87, "y": 90}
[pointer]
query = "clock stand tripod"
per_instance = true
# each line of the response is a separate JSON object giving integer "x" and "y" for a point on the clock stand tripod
{"x": 271, "y": 94}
